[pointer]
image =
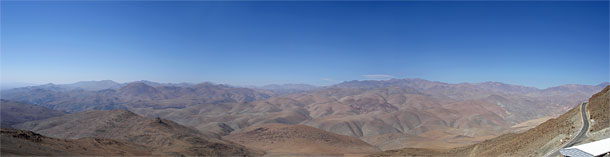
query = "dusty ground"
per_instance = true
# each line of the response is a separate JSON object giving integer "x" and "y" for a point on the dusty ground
{"x": 524, "y": 126}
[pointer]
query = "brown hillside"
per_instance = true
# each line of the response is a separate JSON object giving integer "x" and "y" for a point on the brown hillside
{"x": 299, "y": 139}
{"x": 536, "y": 141}
{"x": 599, "y": 110}
{"x": 164, "y": 136}
{"x": 27, "y": 143}
{"x": 12, "y": 113}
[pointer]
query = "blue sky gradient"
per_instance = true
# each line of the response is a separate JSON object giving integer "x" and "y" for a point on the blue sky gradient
{"x": 538, "y": 44}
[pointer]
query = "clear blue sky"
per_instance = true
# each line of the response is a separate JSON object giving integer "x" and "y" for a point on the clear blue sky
{"x": 538, "y": 44}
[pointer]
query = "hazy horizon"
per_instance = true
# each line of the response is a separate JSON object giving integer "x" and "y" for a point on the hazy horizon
{"x": 536, "y": 44}
{"x": 9, "y": 85}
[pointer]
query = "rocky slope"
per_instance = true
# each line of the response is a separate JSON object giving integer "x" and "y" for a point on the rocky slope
{"x": 12, "y": 113}
{"x": 27, "y": 143}
{"x": 283, "y": 139}
{"x": 163, "y": 136}
{"x": 599, "y": 119}
{"x": 599, "y": 110}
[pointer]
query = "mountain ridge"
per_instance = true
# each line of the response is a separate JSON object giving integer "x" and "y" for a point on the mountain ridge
{"x": 164, "y": 136}
{"x": 374, "y": 111}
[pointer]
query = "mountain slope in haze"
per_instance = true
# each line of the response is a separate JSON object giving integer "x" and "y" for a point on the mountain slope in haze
{"x": 81, "y": 85}
{"x": 283, "y": 89}
{"x": 157, "y": 84}
{"x": 163, "y": 136}
{"x": 283, "y": 139}
{"x": 534, "y": 142}
{"x": 132, "y": 95}
{"x": 96, "y": 85}
{"x": 12, "y": 113}
{"x": 62, "y": 99}
{"x": 11, "y": 85}
{"x": 92, "y": 85}
{"x": 26, "y": 143}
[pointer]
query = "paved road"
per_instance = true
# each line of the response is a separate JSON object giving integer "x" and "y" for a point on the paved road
{"x": 579, "y": 137}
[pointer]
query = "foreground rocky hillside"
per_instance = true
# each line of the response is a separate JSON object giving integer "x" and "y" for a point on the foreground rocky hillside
{"x": 27, "y": 143}
{"x": 534, "y": 142}
{"x": 599, "y": 110}
{"x": 162, "y": 136}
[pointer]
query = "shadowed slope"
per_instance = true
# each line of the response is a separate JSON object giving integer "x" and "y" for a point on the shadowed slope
{"x": 27, "y": 143}
{"x": 15, "y": 112}
{"x": 164, "y": 136}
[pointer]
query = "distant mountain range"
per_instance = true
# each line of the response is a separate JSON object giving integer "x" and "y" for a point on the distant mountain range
{"x": 93, "y": 85}
{"x": 289, "y": 88}
{"x": 136, "y": 94}
{"x": 11, "y": 85}
{"x": 282, "y": 89}
{"x": 388, "y": 114}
